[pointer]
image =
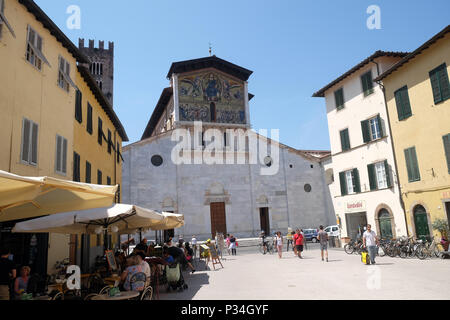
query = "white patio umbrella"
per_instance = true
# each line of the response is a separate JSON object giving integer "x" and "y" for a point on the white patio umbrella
{"x": 170, "y": 221}
{"x": 122, "y": 218}
{"x": 28, "y": 197}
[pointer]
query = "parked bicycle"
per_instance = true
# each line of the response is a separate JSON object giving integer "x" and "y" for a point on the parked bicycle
{"x": 266, "y": 246}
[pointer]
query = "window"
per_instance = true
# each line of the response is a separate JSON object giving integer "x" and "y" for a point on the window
{"x": 78, "y": 104}
{"x": 372, "y": 129}
{"x": 118, "y": 152}
{"x": 64, "y": 80}
{"x": 212, "y": 108}
{"x": 108, "y": 181}
{"x": 89, "y": 119}
{"x": 76, "y": 167}
{"x": 34, "y": 49}
{"x": 61, "y": 155}
{"x": 440, "y": 84}
{"x": 4, "y": 21}
{"x": 349, "y": 182}
{"x": 339, "y": 98}
{"x": 367, "y": 83}
{"x": 446, "y": 139}
{"x": 412, "y": 165}
{"x": 345, "y": 140}
{"x": 99, "y": 177}
{"x": 29, "y": 142}
{"x": 379, "y": 177}
{"x": 100, "y": 131}
{"x": 157, "y": 160}
{"x": 109, "y": 141}
{"x": 403, "y": 105}
{"x": 88, "y": 172}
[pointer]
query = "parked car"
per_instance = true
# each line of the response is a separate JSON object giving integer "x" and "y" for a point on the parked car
{"x": 311, "y": 234}
{"x": 333, "y": 231}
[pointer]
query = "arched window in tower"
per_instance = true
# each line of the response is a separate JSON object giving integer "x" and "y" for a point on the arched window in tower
{"x": 101, "y": 69}
{"x": 212, "y": 108}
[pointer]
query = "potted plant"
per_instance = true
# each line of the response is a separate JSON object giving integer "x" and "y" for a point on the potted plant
{"x": 441, "y": 225}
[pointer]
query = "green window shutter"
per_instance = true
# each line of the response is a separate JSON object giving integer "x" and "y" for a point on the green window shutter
{"x": 89, "y": 119}
{"x": 99, "y": 177}
{"x": 365, "y": 130}
{"x": 339, "y": 98}
{"x": 372, "y": 177}
{"x": 412, "y": 164}
{"x": 88, "y": 172}
{"x": 447, "y": 149}
{"x": 345, "y": 140}
{"x": 380, "y": 125}
{"x": 343, "y": 182}
{"x": 76, "y": 167}
{"x": 403, "y": 104}
{"x": 78, "y": 103}
{"x": 357, "y": 186}
{"x": 367, "y": 83}
{"x": 100, "y": 131}
{"x": 439, "y": 83}
{"x": 388, "y": 174}
{"x": 443, "y": 82}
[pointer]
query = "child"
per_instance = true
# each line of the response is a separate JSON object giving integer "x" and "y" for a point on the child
{"x": 279, "y": 243}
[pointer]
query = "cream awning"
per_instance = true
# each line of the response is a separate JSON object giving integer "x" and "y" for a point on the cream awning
{"x": 28, "y": 197}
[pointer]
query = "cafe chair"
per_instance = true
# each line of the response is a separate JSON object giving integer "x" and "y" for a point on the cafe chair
{"x": 139, "y": 280}
{"x": 90, "y": 296}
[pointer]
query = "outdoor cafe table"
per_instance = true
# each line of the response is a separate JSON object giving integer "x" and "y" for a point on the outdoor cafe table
{"x": 124, "y": 295}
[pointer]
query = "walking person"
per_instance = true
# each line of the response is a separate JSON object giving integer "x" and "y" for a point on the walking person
{"x": 194, "y": 246}
{"x": 298, "y": 239}
{"x": 323, "y": 240}
{"x": 228, "y": 244}
{"x": 7, "y": 274}
{"x": 289, "y": 239}
{"x": 305, "y": 246}
{"x": 370, "y": 241}
{"x": 279, "y": 243}
{"x": 233, "y": 245}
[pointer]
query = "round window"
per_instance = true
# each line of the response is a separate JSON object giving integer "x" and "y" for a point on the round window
{"x": 268, "y": 161}
{"x": 308, "y": 187}
{"x": 157, "y": 160}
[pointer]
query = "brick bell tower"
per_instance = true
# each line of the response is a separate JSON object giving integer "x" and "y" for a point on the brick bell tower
{"x": 101, "y": 66}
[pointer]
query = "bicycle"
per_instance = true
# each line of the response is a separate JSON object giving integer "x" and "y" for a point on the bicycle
{"x": 429, "y": 250}
{"x": 266, "y": 247}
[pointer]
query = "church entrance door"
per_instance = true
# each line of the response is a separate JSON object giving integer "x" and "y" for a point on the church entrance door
{"x": 264, "y": 218}
{"x": 218, "y": 218}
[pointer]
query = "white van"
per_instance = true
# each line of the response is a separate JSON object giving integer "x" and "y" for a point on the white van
{"x": 333, "y": 231}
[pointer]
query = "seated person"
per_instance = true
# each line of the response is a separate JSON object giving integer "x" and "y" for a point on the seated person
{"x": 178, "y": 255}
{"x": 167, "y": 257}
{"x": 133, "y": 268}
{"x": 145, "y": 266}
{"x": 21, "y": 283}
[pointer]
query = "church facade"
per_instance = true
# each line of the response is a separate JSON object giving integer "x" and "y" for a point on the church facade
{"x": 199, "y": 157}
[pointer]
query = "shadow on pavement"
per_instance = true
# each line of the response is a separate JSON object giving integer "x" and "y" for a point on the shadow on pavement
{"x": 194, "y": 281}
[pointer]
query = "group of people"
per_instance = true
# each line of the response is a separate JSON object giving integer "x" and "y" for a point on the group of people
{"x": 297, "y": 241}
{"x": 9, "y": 279}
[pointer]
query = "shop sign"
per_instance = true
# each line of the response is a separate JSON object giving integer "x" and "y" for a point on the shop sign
{"x": 355, "y": 206}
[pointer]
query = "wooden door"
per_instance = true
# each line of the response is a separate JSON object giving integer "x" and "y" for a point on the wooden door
{"x": 264, "y": 219}
{"x": 421, "y": 222}
{"x": 218, "y": 218}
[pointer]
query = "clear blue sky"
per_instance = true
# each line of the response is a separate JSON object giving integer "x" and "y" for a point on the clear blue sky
{"x": 294, "y": 48}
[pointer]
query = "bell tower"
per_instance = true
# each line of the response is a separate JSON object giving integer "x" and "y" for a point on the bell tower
{"x": 101, "y": 65}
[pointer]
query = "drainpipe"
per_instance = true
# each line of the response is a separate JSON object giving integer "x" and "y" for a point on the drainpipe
{"x": 383, "y": 89}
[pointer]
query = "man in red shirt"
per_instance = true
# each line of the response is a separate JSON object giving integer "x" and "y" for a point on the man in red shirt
{"x": 298, "y": 240}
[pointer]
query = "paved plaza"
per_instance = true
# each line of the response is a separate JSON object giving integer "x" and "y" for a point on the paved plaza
{"x": 251, "y": 275}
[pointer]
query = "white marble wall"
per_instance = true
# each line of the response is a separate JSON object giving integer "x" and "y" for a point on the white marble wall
{"x": 241, "y": 187}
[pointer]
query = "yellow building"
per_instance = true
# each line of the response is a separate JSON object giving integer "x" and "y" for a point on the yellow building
{"x": 417, "y": 92}
{"x": 41, "y": 71}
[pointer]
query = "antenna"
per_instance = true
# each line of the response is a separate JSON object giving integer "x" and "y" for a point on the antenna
{"x": 210, "y": 49}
